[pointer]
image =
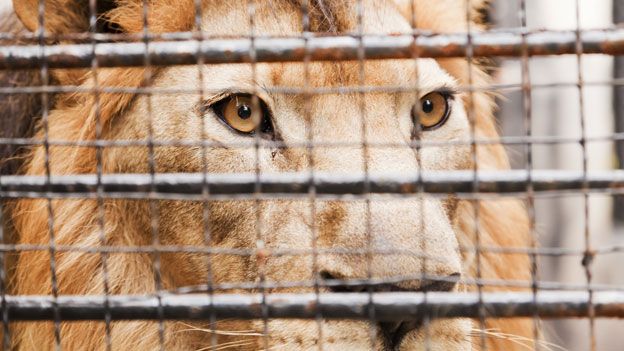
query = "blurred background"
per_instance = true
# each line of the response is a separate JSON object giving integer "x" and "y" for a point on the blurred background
{"x": 556, "y": 112}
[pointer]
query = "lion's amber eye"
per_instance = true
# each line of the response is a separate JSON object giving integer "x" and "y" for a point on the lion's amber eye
{"x": 244, "y": 113}
{"x": 434, "y": 110}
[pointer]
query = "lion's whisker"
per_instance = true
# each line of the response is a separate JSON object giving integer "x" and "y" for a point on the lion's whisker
{"x": 223, "y": 332}
{"x": 219, "y": 332}
{"x": 517, "y": 339}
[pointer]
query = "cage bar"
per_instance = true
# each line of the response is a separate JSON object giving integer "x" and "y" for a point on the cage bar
{"x": 216, "y": 51}
{"x": 398, "y": 306}
{"x": 618, "y": 91}
{"x": 512, "y": 181}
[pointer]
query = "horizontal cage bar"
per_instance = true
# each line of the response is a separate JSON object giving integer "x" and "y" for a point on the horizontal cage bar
{"x": 215, "y": 51}
{"x": 513, "y": 181}
{"x": 399, "y": 306}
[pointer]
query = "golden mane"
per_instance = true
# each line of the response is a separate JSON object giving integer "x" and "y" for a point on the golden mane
{"x": 73, "y": 119}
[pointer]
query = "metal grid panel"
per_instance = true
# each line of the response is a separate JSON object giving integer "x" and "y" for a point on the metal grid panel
{"x": 369, "y": 297}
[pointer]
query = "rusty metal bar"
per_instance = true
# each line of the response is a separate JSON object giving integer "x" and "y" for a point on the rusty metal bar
{"x": 513, "y": 181}
{"x": 215, "y": 51}
{"x": 388, "y": 306}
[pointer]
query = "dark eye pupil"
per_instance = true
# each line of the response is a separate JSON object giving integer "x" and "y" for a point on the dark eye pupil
{"x": 427, "y": 106}
{"x": 244, "y": 111}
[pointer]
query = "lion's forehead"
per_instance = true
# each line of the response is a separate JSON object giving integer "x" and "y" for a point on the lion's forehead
{"x": 291, "y": 17}
{"x": 422, "y": 74}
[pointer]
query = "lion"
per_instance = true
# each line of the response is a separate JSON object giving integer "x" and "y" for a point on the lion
{"x": 240, "y": 104}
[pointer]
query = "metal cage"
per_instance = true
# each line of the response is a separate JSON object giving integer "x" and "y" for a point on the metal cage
{"x": 43, "y": 51}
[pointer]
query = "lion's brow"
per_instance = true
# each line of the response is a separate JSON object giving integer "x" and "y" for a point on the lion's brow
{"x": 321, "y": 14}
{"x": 327, "y": 15}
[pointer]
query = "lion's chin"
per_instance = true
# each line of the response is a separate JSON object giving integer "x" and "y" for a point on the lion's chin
{"x": 439, "y": 335}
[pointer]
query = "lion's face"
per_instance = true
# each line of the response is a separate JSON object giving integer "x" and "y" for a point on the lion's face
{"x": 239, "y": 101}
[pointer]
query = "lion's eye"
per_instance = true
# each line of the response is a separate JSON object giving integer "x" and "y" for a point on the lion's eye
{"x": 434, "y": 110}
{"x": 244, "y": 113}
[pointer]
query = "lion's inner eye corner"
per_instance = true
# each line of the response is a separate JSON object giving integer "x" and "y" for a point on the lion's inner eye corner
{"x": 244, "y": 113}
{"x": 433, "y": 111}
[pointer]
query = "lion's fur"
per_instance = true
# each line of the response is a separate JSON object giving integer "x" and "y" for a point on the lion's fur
{"x": 18, "y": 112}
{"x": 501, "y": 223}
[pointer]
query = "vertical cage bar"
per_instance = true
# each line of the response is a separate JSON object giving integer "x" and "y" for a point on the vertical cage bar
{"x": 99, "y": 168}
{"x": 417, "y": 134}
{"x": 618, "y": 18}
{"x": 262, "y": 254}
{"x": 361, "y": 58}
{"x": 476, "y": 203}
{"x": 527, "y": 104}
{"x": 153, "y": 203}
{"x": 307, "y": 115}
{"x": 588, "y": 257}
{"x": 6, "y": 332}
{"x": 45, "y": 81}
{"x": 207, "y": 230}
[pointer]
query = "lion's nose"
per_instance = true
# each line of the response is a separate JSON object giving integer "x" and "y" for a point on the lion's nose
{"x": 393, "y": 332}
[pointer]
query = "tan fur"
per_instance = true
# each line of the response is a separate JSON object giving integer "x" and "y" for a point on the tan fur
{"x": 286, "y": 224}
{"x": 18, "y": 112}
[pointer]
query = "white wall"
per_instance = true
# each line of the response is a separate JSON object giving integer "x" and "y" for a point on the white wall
{"x": 5, "y": 5}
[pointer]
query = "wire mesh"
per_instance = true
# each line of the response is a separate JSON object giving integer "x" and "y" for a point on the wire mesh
{"x": 310, "y": 174}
